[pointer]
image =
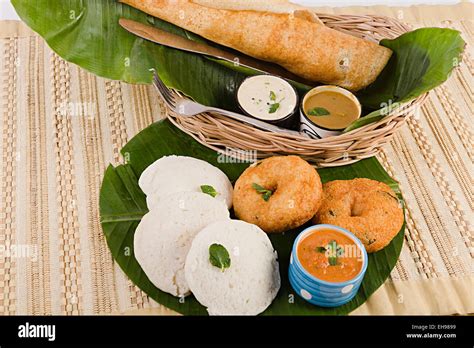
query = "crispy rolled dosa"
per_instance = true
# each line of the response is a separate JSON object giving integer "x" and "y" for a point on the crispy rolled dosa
{"x": 296, "y": 41}
{"x": 276, "y": 6}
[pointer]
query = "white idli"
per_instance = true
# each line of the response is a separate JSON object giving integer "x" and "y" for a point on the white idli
{"x": 173, "y": 174}
{"x": 251, "y": 282}
{"x": 164, "y": 235}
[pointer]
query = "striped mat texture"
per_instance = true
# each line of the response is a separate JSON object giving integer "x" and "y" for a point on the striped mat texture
{"x": 61, "y": 126}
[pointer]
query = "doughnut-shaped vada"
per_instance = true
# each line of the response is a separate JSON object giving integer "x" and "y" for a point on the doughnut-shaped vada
{"x": 278, "y": 193}
{"x": 367, "y": 208}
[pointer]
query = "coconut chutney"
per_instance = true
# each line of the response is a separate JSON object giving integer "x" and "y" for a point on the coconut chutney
{"x": 267, "y": 97}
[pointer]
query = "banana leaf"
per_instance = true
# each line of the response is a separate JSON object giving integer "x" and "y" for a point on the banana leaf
{"x": 86, "y": 32}
{"x": 422, "y": 60}
{"x": 122, "y": 204}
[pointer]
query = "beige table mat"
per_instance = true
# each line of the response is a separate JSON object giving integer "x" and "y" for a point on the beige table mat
{"x": 61, "y": 126}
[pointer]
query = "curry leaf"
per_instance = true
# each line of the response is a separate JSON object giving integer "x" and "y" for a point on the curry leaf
{"x": 273, "y": 96}
{"x": 318, "y": 111}
{"x": 266, "y": 194}
{"x": 219, "y": 256}
{"x": 273, "y": 108}
{"x": 208, "y": 189}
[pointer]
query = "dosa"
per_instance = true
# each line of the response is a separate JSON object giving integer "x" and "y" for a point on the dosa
{"x": 295, "y": 40}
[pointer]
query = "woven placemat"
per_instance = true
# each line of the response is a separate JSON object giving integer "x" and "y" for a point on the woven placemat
{"x": 61, "y": 126}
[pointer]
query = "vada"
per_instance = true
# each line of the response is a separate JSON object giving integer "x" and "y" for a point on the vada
{"x": 367, "y": 208}
{"x": 278, "y": 193}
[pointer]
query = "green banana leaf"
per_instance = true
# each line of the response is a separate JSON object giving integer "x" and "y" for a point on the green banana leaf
{"x": 86, "y": 32}
{"x": 122, "y": 204}
{"x": 423, "y": 60}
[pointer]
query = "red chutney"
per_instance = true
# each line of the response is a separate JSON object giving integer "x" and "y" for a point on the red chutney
{"x": 315, "y": 253}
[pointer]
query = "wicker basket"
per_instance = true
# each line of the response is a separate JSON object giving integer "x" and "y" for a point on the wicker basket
{"x": 233, "y": 137}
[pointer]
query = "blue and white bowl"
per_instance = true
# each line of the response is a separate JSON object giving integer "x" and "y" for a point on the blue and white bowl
{"x": 317, "y": 291}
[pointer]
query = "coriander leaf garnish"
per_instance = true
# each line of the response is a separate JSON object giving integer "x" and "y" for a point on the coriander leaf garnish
{"x": 317, "y": 111}
{"x": 334, "y": 251}
{"x": 274, "y": 105}
{"x": 219, "y": 256}
{"x": 273, "y": 108}
{"x": 320, "y": 249}
{"x": 273, "y": 96}
{"x": 266, "y": 194}
{"x": 208, "y": 189}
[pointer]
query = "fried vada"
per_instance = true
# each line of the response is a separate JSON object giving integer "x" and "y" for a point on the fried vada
{"x": 367, "y": 208}
{"x": 278, "y": 193}
{"x": 295, "y": 39}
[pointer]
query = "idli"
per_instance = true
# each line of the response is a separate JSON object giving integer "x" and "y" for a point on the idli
{"x": 173, "y": 174}
{"x": 232, "y": 269}
{"x": 164, "y": 235}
